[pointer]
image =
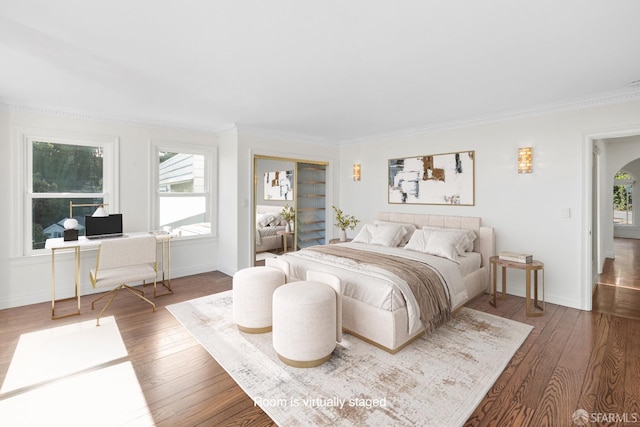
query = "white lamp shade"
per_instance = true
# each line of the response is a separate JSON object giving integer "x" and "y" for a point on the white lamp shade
{"x": 100, "y": 212}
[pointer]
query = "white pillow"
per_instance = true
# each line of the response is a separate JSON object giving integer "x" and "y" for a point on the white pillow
{"x": 467, "y": 237}
{"x": 381, "y": 234}
{"x": 409, "y": 227}
{"x": 434, "y": 242}
{"x": 263, "y": 220}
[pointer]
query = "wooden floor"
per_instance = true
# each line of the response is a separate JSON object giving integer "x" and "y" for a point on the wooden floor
{"x": 572, "y": 359}
{"x": 618, "y": 290}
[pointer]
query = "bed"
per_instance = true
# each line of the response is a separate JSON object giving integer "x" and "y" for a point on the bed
{"x": 268, "y": 223}
{"x": 380, "y": 304}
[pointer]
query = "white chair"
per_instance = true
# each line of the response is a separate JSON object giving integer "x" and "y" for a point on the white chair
{"x": 121, "y": 261}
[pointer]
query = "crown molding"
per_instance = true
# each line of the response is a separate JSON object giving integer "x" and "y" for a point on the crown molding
{"x": 60, "y": 112}
{"x": 531, "y": 112}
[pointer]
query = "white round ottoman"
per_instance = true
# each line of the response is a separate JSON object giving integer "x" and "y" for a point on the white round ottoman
{"x": 304, "y": 323}
{"x": 252, "y": 297}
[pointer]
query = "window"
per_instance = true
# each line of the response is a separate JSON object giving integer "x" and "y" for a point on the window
{"x": 60, "y": 172}
{"x": 182, "y": 190}
{"x": 623, "y": 184}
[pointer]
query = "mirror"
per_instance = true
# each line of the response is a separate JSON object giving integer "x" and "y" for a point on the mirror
{"x": 281, "y": 184}
{"x": 275, "y": 181}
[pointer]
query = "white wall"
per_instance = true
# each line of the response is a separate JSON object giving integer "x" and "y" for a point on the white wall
{"x": 525, "y": 209}
{"x": 27, "y": 279}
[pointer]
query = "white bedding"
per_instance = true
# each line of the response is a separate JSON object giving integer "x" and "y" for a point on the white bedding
{"x": 384, "y": 289}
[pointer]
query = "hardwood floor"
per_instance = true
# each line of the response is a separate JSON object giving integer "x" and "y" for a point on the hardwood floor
{"x": 572, "y": 359}
{"x": 618, "y": 291}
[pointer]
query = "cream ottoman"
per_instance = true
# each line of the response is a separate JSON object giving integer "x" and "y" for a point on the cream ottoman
{"x": 252, "y": 297}
{"x": 305, "y": 323}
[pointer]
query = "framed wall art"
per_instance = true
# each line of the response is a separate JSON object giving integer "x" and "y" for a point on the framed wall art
{"x": 278, "y": 185}
{"x": 434, "y": 179}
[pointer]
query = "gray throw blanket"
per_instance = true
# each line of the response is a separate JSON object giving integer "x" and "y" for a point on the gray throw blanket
{"x": 428, "y": 289}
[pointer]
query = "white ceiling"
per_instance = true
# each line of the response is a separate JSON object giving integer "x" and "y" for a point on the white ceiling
{"x": 330, "y": 69}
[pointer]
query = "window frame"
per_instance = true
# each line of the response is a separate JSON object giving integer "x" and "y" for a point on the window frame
{"x": 210, "y": 161}
{"x": 626, "y": 182}
{"x": 110, "y": 148}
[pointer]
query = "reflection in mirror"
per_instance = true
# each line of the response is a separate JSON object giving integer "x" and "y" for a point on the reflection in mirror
{"x": 278, "y": 185}
{"x": 274, "y": 190}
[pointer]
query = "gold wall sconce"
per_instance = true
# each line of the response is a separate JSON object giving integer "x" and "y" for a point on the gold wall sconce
{"x": 525, "y": 159}
{"x": 356, "y": 171}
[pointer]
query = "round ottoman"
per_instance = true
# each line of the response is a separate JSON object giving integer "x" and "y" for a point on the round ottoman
{"x": 304, "y": 323}
{"x": 252, "y": 297}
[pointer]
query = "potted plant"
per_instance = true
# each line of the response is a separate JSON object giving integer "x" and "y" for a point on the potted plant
{"x": 289, "y": 215}
{"x": 344, "y": 221}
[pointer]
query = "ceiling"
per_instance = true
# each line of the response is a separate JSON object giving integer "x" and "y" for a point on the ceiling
{"x": 333, "y": 70}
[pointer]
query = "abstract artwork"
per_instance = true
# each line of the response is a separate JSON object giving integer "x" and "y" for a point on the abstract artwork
{"x": 278, "y": 185}
{"x": 435, "y": 179}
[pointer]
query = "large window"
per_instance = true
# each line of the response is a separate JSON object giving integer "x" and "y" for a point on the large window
{"x": 183, "y": 189}
{"x": 623, "y": 184}
{"x": 61, "y": 172}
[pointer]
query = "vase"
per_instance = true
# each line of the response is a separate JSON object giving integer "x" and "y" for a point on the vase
{"x": 343, "y": 235}
{"x": 291, "y": 225}
{"x": 287, "y": 227}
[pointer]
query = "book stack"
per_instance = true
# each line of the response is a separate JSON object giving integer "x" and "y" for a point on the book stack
{"x": 516, "y": 257}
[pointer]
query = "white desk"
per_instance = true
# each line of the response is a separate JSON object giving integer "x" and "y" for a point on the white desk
{"x": 58, "y": 244}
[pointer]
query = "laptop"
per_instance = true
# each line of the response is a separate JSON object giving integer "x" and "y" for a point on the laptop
{"x": 102, "y": 227}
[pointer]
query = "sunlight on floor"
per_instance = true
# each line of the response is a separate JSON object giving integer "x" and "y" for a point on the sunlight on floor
{"x": 109, "y": 396}
{"x": 56, "y": 352}
{"x": 73, "y": 375}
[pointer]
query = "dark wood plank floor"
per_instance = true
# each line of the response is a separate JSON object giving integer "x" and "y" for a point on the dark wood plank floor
{"x": 618, "y": 290}
{"x": 572, "y": 359}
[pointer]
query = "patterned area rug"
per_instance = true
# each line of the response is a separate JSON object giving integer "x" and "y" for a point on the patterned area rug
{"x": 436, "y": 381}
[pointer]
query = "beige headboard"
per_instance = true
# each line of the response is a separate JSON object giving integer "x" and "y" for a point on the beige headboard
{"x": 485, "y": 244}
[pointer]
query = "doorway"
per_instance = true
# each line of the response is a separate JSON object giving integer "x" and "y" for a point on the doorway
{"x": 614, "y": 248}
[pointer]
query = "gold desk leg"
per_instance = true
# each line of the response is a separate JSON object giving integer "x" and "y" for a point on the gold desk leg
{"x": 166, "y": 282}
{"x": 504, "y": 283}
{"x": 53, "y": 284}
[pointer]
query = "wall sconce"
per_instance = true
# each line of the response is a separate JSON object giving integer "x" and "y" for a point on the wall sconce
{"x": 356, "y": 171}
{"x": 525, "y": 159}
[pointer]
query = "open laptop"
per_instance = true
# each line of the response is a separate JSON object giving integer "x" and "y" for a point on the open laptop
{"x": 102, "y": 227}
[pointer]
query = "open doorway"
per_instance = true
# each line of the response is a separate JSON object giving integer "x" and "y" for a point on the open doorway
{"x": 617, "y": 288}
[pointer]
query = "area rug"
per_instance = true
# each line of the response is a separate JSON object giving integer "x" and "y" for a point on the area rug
{"x": 438, "y": 380}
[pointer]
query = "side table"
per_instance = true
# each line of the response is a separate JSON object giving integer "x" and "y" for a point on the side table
{"x": 528, "y": 267}
{"x": 285, "y": 238}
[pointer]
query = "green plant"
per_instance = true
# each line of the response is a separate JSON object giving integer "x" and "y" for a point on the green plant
{"x": 344, "y": 221}
{"x": 288, "y": 213}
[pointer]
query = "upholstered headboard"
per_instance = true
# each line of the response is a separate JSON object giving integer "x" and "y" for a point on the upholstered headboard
{"x": 262, "y": 209}
{"x": 485, "y": 244}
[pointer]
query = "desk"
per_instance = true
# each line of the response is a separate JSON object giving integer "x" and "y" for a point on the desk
{"x": 83, "y": 243}
{"x": 285, "y": 238}
{"x": 528, "y": 267}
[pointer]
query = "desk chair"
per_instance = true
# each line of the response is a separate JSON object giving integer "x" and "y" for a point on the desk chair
{"x": 121, "y": 261}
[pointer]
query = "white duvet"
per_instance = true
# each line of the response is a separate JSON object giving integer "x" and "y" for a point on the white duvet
{"x": 376, "y": 286}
